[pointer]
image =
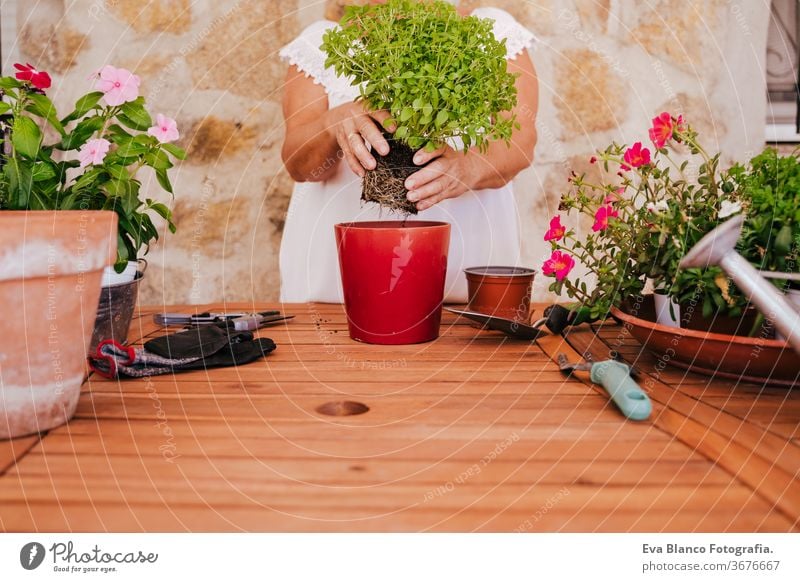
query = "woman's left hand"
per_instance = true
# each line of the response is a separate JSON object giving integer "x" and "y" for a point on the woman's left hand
{"x": 449, "y": 175}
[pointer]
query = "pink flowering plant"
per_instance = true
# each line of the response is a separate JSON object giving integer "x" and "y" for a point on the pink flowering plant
{"x": 646, "y": 211}
{"x": 92, "y": 158}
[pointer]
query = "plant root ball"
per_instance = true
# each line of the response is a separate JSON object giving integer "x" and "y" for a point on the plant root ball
{"x": 385, "y": 185}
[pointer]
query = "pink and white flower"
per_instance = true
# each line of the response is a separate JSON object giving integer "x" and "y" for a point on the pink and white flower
{"x": 165, "y": 130}
{"x": 93, "y": 152}
{"x": 119, "y": 85}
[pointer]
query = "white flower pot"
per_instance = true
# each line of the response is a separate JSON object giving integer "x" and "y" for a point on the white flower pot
{"x": 111, "y": 277}
{"x": 665, "y": 315}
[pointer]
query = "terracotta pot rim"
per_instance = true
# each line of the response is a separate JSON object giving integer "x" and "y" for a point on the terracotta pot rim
{"x": 392, "y": 224}
{"x": 696, "y": 334}
{"x": 515, "y": 272}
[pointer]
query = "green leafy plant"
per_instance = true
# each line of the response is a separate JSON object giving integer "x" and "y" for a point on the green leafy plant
{"x": 114, "y": 137}
{"x": 769, "y": 186}
{"x": 440, "y": 75}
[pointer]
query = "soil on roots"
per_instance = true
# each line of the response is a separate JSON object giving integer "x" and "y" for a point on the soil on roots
{"x": 385, "y": 184}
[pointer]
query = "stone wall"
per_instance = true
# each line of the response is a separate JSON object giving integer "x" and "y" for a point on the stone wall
{"x": 605, "y": 66}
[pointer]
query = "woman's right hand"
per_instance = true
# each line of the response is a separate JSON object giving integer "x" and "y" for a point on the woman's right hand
{"x": 354, "y": 127}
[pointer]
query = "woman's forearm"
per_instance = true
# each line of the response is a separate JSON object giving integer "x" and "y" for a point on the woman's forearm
{"x": 310, "y": 150}
{"x": 502, "y": 162}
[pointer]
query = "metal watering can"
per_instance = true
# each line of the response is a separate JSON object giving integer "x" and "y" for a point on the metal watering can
{"x": 718, "y": 248}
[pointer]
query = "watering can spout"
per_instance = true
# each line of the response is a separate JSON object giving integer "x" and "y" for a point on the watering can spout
{"x": 718, "y": 247}
{"x": 715, "y": 246}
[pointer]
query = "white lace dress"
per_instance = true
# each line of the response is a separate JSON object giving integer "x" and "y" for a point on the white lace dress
{"x": 484, "y": 223}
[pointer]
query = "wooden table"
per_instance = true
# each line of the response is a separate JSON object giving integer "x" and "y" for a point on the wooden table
{"x": 470, "y": 432}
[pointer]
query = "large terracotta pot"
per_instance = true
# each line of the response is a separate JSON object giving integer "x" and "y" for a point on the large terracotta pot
{"x": 393, "y": 276}
{"x": 757, "y": 359}
{"x": 51, "y": 264}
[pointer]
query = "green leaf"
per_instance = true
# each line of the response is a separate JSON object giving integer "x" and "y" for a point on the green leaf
{"x": 131, "y": 149}
{"x": 401, "y": 132}
{"x": 118, "y": 172}
{"x": 406, "y": 114}
{"x": 83, "y": 105}
{"x": 9, "y": 83}
{"x": 158, "y": 160}
{"x": 178, "y": 152}
{"x": 42, "y": 106}
{"x": 80, "y": 135}
{"x": 442, "y": 117}
{"x": 135, "y": 116}
{"x": 163, "y": 180}
{"x": 43, "y": 171}
{"x": 26, "y": 137}
{"x": 4, "y": 107}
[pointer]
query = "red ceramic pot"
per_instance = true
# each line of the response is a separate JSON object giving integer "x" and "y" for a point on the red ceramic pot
{"x": 393, "y": 276}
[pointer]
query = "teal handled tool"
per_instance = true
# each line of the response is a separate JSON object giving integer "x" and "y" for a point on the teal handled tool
{"x": 615, "y": 377}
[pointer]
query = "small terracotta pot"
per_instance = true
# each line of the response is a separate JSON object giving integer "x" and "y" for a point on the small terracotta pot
{"x": 51, "y": 264}
{"x": 393, "y": 275}
{"x": 501, "y": 291}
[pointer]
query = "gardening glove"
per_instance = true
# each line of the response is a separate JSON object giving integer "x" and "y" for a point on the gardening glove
{"x": 194, "y": 349}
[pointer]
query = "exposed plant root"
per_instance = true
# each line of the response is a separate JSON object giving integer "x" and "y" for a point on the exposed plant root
{"x": 385, "y": 185}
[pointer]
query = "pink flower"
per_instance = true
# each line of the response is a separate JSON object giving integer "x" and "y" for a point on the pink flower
{"x": 601, "y": 217}
{"x": 38, "y": 79}
{"x": 119, "y": 85}
{"x": 636, "y": 156}
{"x": 556, "y": 231}
{"x": 165, "y": 130}
{"x": 93, "y": 152}
{"x": 559, "y": 264}
{"x": 661, "y": 131}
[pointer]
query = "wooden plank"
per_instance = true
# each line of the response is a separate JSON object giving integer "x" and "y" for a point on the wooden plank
{"x": 58, "y": 517}
{"x": 148, "y": 441}
{"x": 11, "y": 451}
{"x": 308, "y": 499}
{"x": 171, "y": 385}
{"x": 516, "y": 410}
{"x": 374, "y": 472}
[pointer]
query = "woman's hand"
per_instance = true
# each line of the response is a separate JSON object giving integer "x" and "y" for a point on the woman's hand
{"x": 449, "y": 175}
{"x": 354, "y": 127}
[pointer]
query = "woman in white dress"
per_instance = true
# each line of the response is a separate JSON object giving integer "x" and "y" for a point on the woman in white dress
{"x": 327, "y": 149}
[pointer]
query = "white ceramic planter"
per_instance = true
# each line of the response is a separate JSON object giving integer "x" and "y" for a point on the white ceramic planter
{"x": 665, "y": 315}
{"x": 111, "y": 277}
